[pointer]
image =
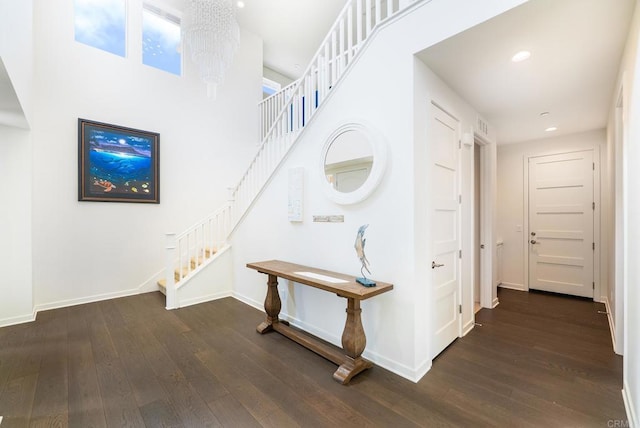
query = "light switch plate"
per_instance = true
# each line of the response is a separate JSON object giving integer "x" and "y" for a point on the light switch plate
{"x": 296, "y": 194}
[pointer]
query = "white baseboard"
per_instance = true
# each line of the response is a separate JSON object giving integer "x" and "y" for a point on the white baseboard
{"x": 628, "y": 405}
{"x": 151, "y": 284}
{"x": 6, "y": 322}
{"x": 412, "y": 374}
{"x": 88, "y": 299}
{"x": 495, "y": 303}
{"x": 513, "y": 286}
{"x": 203, "y": 299}
{"x": 612, "y": 326}
{"x": 422, "y": 370}
{"x": 246, "y": 300}
{"x": 468, "y": 327}
{"x": 146, "y": 287}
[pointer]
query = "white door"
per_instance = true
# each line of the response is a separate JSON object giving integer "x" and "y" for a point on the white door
{"x": 445, "y": 227}
{"x": 561, "y": 205}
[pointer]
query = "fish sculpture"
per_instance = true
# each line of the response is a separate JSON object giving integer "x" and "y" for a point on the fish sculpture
{"x": 359, "y": 246}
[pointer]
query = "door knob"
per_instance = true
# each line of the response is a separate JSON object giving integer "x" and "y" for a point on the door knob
{"x": 533, "y": 234}
{"x": 533, "y": 241}
{"x": 435, "y": 265}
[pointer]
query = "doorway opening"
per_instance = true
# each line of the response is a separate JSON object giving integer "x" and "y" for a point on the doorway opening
{"x": 484, "y": 248}
{"x": 477, "y": 247}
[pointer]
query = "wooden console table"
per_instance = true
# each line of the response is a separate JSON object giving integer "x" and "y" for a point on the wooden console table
{"x": 353, "y": 338}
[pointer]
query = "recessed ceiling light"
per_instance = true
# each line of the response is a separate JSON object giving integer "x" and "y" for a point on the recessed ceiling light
{"x": 551, "y": 129}
{"x": 521, "y": 56}
{"x": 240, "y": 4}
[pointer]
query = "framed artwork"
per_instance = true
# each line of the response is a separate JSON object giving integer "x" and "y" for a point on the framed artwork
{"x": 117, "y": 164}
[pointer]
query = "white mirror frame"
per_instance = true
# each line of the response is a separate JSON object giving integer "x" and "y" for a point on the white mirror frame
{"x": 379, "y": 149}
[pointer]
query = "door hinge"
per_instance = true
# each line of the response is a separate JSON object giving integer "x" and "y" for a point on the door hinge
{"x": 593, "y": 245}
{"x": 459, "y": 254}
{"x": 593, "y": 166}
{"x": 460, "y": 309}
{"x": 459, "y": 199}
{"x": 459, "y": 144}
{"x": 593, "y": 206}
{"x": 593, "y": 285}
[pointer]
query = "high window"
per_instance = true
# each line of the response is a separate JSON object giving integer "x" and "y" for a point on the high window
{"x": 102, "y": 24}
{"x": 269, "y": 87}
{"x": 161, "y": 40}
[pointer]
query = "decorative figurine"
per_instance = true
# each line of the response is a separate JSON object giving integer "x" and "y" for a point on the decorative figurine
{"x": 359, "y": 246}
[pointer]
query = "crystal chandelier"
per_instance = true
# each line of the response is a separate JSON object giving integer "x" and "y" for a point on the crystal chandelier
{"x": 212, "y": 35}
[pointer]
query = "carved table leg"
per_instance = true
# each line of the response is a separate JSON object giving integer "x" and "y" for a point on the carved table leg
{"x": 353, "y": 343}
{"x": 272, "y": 305}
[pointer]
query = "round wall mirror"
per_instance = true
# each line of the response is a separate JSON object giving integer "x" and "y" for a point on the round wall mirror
{"x": 353, "y": 161}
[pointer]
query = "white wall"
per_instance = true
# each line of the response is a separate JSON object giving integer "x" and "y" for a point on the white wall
{"x": 276, "y": 77}
{"x": 397, "y": 323}
{"x": 627, "y": 203}
{"x": 16, "y": 303}
{"x": 267, "y": 234}
{"x": 85, "y": 251}
{"x": 16, "y": 49}
{"x": 613, "y": 218}
{"x": 512, "y": 194}
{"x": 632, "y": 292}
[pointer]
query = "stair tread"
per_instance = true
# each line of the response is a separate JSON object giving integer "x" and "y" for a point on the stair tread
{"x": 180, "y": 273}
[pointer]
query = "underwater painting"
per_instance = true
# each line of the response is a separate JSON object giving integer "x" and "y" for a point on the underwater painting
{"x": 117, "y": 164}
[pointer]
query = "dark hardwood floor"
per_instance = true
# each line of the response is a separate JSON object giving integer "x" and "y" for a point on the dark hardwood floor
{"x": 537, "y": 360}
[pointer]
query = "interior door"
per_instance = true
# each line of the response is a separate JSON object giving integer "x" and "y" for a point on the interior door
{"x": 445, "y": 227}
{"x": 561, "y": 206}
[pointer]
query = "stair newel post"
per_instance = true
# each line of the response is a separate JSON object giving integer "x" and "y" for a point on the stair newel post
{"x": 172, "y": 297}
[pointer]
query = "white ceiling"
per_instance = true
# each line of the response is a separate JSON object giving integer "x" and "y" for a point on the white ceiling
{"x": 576, "y": 48}
{"x": 291, "y": 30}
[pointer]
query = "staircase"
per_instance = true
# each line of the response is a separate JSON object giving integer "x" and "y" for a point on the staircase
{"x": 283, "y": 117}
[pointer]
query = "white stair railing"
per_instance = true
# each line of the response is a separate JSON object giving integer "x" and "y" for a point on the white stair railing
{"x": 271, "y": 106}
{"x": 188, "y": 252}
{"x": 354, "y": 24}
{"x": 283, "y": 116}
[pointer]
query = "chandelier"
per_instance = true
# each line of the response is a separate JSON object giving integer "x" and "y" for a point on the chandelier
{"x": 212, "y": 35}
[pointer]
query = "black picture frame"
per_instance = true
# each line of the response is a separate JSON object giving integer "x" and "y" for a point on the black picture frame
{"x": 117, "y": 164}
